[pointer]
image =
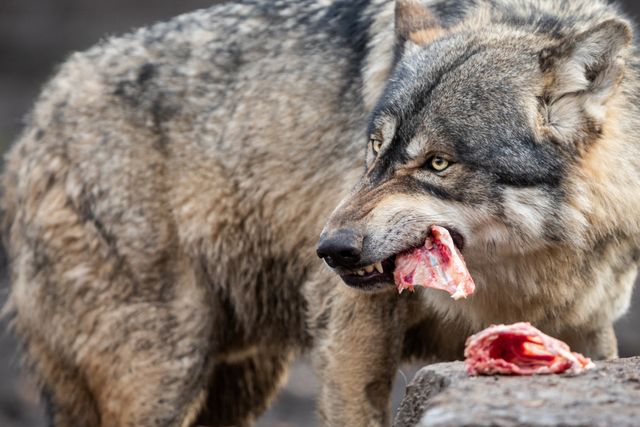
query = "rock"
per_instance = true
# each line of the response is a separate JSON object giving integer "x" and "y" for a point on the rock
{"x": 444, "y": 395}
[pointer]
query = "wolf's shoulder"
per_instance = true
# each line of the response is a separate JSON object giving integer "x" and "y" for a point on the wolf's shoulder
{"x": 208, "y": 46}
{"x": 244, "y": 25}
{"x": 201, "y": 53}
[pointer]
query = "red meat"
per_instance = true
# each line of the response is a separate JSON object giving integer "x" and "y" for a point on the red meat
{"x": 520, "y": 349}
{"x": 438, "y": 264}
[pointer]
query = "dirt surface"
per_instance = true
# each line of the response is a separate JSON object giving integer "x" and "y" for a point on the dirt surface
{"x": 444, "y": 395}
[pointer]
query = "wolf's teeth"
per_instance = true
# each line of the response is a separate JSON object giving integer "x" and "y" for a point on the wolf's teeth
{"x": 369, "y": 269}
{"x": 360, "y": 272}
{"x": 378, "y": 266}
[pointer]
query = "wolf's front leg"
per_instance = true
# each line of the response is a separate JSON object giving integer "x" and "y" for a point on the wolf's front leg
{"x": 595, "y": 341}
{"x": 357, "y": 357}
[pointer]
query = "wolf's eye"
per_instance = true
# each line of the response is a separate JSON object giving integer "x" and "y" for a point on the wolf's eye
{"x": 438, "y": 163}
{"x": 376, "y": 145}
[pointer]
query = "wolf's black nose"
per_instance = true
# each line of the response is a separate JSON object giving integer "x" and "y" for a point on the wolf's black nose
{"x": 340, "y": 248}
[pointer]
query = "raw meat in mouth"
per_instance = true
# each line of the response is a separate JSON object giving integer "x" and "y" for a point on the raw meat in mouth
{"x": 520, "y": 349}
{"x": 438, "y": 264}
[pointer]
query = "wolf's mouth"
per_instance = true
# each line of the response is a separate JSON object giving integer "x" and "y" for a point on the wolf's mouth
{"x": 379, "y": 274}
{"x": 373, "y": 276}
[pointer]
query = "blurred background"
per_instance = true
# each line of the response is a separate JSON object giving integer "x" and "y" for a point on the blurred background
{"x": 35, "y": 36}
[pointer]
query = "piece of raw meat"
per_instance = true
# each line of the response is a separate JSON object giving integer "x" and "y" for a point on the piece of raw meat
{"x": 520, "y": 349}
{"x": 438, "y": 264}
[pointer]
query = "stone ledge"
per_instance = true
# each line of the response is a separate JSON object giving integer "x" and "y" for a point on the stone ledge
{"x": 444, "y": 395}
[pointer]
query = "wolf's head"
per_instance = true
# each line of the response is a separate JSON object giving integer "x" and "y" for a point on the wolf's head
{"x": 478, "y": 131}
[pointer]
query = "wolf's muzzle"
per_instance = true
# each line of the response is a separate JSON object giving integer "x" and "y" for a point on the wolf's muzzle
{"x": 340, "y": 248}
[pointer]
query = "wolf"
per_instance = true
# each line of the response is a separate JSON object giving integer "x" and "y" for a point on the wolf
{"x": 162, "y": 207}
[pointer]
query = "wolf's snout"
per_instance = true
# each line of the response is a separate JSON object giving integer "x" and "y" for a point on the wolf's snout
{"x": 340, "y": 248}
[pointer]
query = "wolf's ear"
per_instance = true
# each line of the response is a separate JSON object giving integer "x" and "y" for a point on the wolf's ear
{"x": 583, "y": 75}
{"x": 415, "y": 23}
